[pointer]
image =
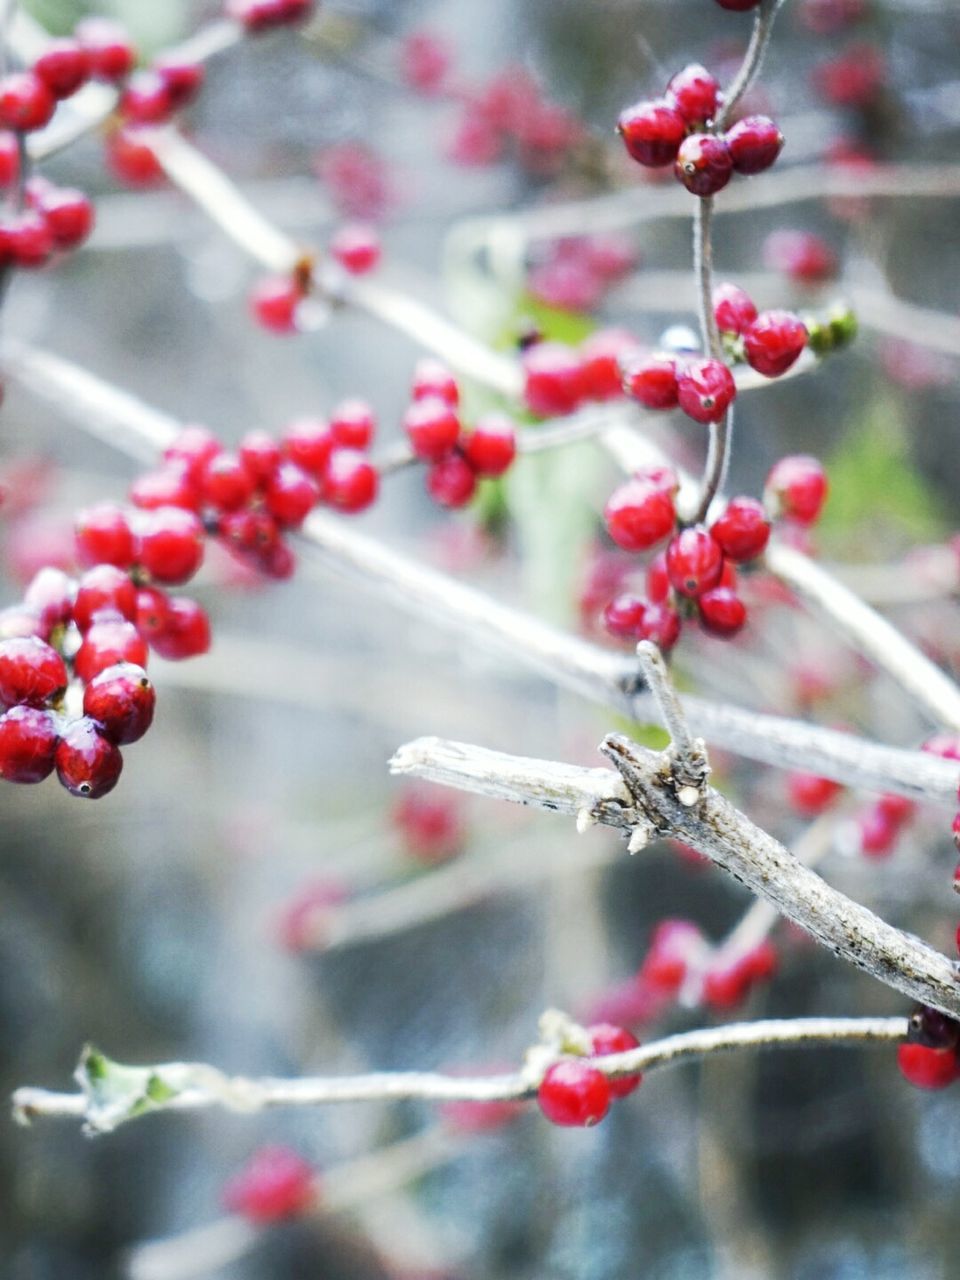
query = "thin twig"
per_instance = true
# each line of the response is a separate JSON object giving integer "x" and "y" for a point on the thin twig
{"x": 752, "y": 61}
{"x": 196, "y": 1086}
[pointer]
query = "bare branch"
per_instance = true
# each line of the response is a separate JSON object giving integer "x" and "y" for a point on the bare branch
{"x": 752, "y": 61}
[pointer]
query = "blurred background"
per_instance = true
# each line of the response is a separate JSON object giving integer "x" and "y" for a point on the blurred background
{"x": 252, "y": 896}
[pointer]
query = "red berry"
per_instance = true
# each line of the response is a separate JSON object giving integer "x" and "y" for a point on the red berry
{"x": 49, "y": 597}
{"x": 88, "y": 763}
{"x": 28, "y": 743}
{"x": 260, "y": 454}
{"x": 249, "y": 532}
{"x": 705, "y": 389}
{"x": 170, "y": 544}
{"x": 185, "y": 632}
{"x": 694, "y": 561}
{"x": 853, "y": 78}
{"x": 146, "y": 99}
{"x": 733, "y": 308}
{"x": 753, "y": 144}
{"x": 554, "y": 379}
{"x": 704, "y": 164}
{"x": 68, "y": 214}
{"x": 132, "y": 159}
{"x": 652, "y": 132}
{"x": 801, "y": 255}
{"x": 276, "y": 1184}
{"x": 897, "y": 809}
{"x": 153, "y": 612}
{"x": 491, "y": 446}
{"x": 63, "y": 66}
{"x": 170, "y": 486}
{"x": 181, "y": 78}
{"x": 262, "y": 15}
{"x": 738, "y": 6}
{"x": 290, "y": 495}
{"x": 809, "y": 794}
{"x": 606, "y": 1038}
{"x": 103, "y": 536}
{"x": 108, "y": 47}
{"x": 431, "y": 378}
{"x": 927, "y": 1068}
{"x": 274, "y": 302}
{"x": 878, "y": 834}
{"x": 350, "y": 482}
{"x": 658, "y": 580}
{"x": 694, "y": 92}
{"x": 623, "y": 615}
{"x": 797, "y": 487}
{"x": 945, "y": 745}
{"x": 674, "y": 945}
{"x": 574, "y": 1093}
{"x": 451, "y": 482}
{"x": 605, "y": 354}
{"x": 432, "y": 427}
{"x": 424, "y": 61}
{"x": 662, "y": 625}
{"x": 109, "y": 639}
{"x": 743, "y": 530}
{"x": 192, "y": 448}
{"x": 773, "y": 342}
{"x": 352, "y": 424}
{"x": 31, "y": 672}
{"x": 638, "y": 514}
{"x": 430, "y": 824}
{"x": 25, "y": 102}
{"x": 226, "y": 483}
{"x": 9, "y": 159}
{"x": 104, "y": 588}
{"x": 309, "y": 443}
{"x": 356, "y": 247}
{"x": 27, "y": 239}
{"x": 121, "y": 699}
{"x": 652, "y": 382}
{"x": 722, "y": 612}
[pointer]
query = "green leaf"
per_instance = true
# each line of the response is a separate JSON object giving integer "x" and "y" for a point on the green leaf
{"x": 116, "y": 1093}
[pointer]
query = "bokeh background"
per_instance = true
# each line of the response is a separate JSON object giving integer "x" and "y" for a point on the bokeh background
{"x": 148, "y": 923}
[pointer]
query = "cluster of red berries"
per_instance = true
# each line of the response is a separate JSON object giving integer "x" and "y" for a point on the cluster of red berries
{"x": 572, "y": 1093}
{"x": 456, "y": 459}
{"x": 930, "y": 1056}
{"x": 677, "y": 129}
{"x": 277, "y": 302}
{"x": 695, "y": 574}
{"x": 575, "y": 273}
{"x": 275, "y": 1185}
{"x": 53, "y": 220}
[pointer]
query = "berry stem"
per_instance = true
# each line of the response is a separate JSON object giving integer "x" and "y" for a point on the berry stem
{"x": 194, "y": 1087}
{"x": 753, "y": 59}
{"x": 718, "y": 448}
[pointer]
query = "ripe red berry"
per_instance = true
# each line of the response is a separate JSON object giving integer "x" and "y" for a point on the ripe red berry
{"x": 694, "y": 561}
{"x": 432, "y": 378}
{"x": 801, "y": 255}
{"x": 897, "y": 809}
{"x": 68, "y": 214}
{"x": 429, "y": 822}
{"x": 623, "y": 615}
{"x": 350, "y": 482}
{"x": 797, "y": 487}
{"x": 605, "y": 355}
{"x": 25, "y": 102}
{"x": 274, "y": 301}
{"x": 878, "y": 833}
{"x": 88, "y": 764}
{"x": 722, "y": 612}
{"x": 606, "y": 1038}
{"x": 185, "y": 632}
{"x": 169, "y": 486}
{"x": 639, "y": 514}
{"x": 153, "y": 612}
{"x": 674, "y": 946}
{"x": 743, "y": 530}
{"x": 425, "y": 61}
{"x": 662, "y": 625}
{"x": 432, "y": 427}
{"x": 104, "y": 588}
{"x": 275, "y": 1185}
{"x": 27, "y": 239}
{"x": 773, "y": 342}
{"x": 754, "y": 144}
{"x": 9, "y": 159}
{"x": 49, "y": 596}
{"x": 146, "y": 99}
{"x": 226, "y": 482}
{"x": 103, "y": 536}
{"x": 28, "y": 743}
{"x": 309, "y": 443}
{"x": 554, "y": 379}
{"x": 927, "y": 1068}
{"x": 290, "y": 495}
{"x": 170, "y": 544}
{"x": 573, "y": 1093}
{"x": 352, "y": 424}
{"x": 451, "y": 482}
{"x": 657, "y": 579}
{"x": 263, "y": 15}
{"x": 109, "y": 639}
{"x": 131, "y": 158}
{"x": 733, "y": 308}
{"x": 356, "y": 247}
{"x": 108, "y": 47}
{"x": 191, "y": 449}
{"x": 704, "y": 164}
{"x": 652, "y": 382}
{"x": 491, "y": 446}
{"x": 260, "y": 454}
{"x": 705, "y": 389}
{"x": 809, "y": 794}
{"x": 695, "y": 93}
{"x": 31, "y": 672}
{"x": 183, "y": 79}
{"x": 652, "y": 132}
{"x": 121, "y": 700}
{"x": 63, "y": 66}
